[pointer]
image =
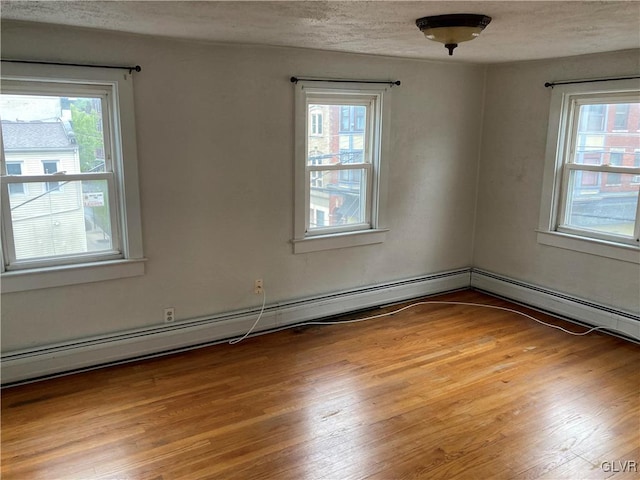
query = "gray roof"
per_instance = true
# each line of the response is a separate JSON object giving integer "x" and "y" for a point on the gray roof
{"x": 28, "y": 135}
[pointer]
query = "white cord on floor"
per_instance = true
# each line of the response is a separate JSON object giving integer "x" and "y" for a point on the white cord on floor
{"x": 436, "y": 302}
{"x": 428, "y": 302}
{"x": 264, "y": 301}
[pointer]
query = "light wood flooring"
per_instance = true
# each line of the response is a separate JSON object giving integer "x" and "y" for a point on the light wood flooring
{"x": 435, "y": 392}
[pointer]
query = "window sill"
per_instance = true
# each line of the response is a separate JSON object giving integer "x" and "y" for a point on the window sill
{"x": 33, "y": 279}
{"x": 601, "y": 248}
{"x": 339, "y": 240}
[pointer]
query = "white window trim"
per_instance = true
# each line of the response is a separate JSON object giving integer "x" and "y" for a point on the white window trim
{"x": 557, "y": 135}
{"x": 369, "y": 234}
{"x": 132, "y": 263}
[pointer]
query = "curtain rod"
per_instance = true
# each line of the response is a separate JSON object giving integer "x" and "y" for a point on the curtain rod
{"x": 137, "y": 68}
{"x": 609, "y": 79}
{"x": 386, "y": 82}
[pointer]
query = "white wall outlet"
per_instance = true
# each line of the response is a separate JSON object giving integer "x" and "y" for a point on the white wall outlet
{"x": 257, "y": 287}
{"x": 169, "y": 314}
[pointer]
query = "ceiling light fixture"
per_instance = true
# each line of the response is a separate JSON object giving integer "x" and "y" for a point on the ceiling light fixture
{"x": 452, "y": 29}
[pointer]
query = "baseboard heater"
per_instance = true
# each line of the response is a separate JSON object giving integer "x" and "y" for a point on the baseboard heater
{"x": 618, "y": 322}
{"x": 96, "y": 352}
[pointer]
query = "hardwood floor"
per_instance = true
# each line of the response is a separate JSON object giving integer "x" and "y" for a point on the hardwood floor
{"x": 435, "y": 392}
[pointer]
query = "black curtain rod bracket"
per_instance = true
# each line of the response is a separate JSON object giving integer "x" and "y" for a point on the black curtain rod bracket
{"x": 333, "y": 80}
{"x": 592, "y": 80}
{"x": 137, "y": 68}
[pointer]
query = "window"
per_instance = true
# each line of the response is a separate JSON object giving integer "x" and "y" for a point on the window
{"x": 69, "y": 151}
{"x": 592, "y": 118}
{"x": 317, "y": 217}
{"x": 338, "y": 200}
{"x": 590, "y": 193}
{"x": 352, "y": 118}
{"x": 316, "y": 124}
{"x": 50, "y": 167}
{"x": 15, "y": 168}
{"x": 621, "y": 116}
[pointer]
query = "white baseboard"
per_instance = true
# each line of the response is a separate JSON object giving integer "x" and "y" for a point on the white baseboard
{"x": 88, "y": 353}
{"x": 567, "y": 306}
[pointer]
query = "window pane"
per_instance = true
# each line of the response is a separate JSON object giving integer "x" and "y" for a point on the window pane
{"x": 316, "y": 124}
{"x": 50, "y": 167}
{"x": 592, "y": 117}
{"x": 345, "y": 118}
{"x": 338, "y": 135}
{"x": 606, "y": 210}
{"x": 599, "y": 140}
{"x": 72, "y": 221}
{"x": 339, "y": 195}
{"x": 67, "y": 130}
{"x": 15, "y": 169}
{"x": 621, "y": 116}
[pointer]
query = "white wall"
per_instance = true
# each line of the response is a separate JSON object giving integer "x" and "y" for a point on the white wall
{"x": 510, "y": 184}
{"x": 214, "y": 131}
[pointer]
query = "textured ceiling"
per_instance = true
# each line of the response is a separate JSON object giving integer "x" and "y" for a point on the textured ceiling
{"x": 520, "y": 30}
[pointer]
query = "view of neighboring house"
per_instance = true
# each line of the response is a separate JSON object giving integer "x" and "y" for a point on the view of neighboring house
{"x": 607, "y": 135}
{"x": 48, "y": 217}
{"x": 55, "y": 135}
{"x": 336, "y": 134}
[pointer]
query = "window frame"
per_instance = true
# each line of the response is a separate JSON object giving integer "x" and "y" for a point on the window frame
{"x": 53, "y": 182}
{"x": 561, "y": 139}
{"x": 339, "y": 93}
{"x": 120, "y": 128}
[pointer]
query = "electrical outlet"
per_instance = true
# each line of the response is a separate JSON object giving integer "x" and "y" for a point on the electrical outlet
{"x": 169, "y": 314}
{"x": 257, "y": 287}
